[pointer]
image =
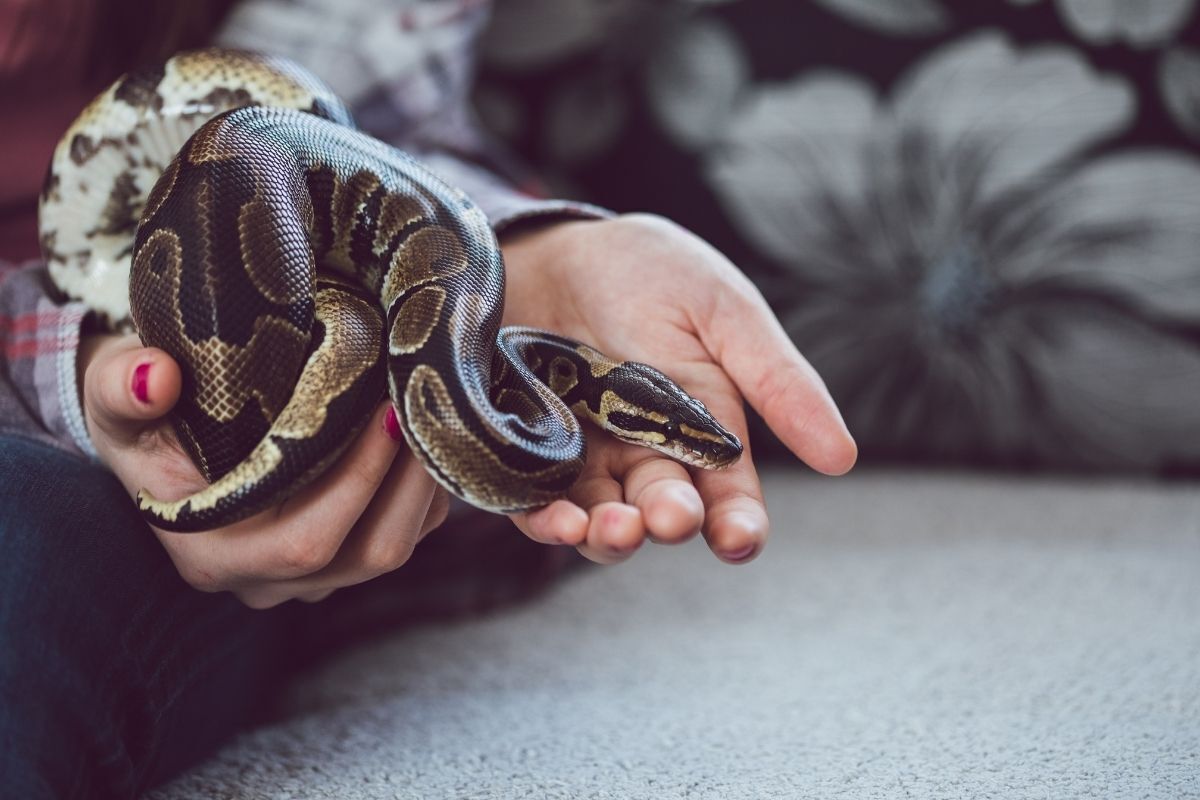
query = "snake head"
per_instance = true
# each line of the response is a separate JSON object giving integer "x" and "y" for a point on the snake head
{"x": 647, "y": 408}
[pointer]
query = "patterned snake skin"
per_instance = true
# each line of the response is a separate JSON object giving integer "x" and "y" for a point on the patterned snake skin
{"x": 294, "y": 267}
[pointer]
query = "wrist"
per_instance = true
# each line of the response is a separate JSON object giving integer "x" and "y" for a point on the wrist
{"x": 535, "y": 233}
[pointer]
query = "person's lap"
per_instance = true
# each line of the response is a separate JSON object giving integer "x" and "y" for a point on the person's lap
{"x": 115, "y": 674}
{"x": 114, "y": 671}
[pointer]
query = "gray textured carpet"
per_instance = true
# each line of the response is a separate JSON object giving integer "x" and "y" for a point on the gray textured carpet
{"x": 904, "y": 635}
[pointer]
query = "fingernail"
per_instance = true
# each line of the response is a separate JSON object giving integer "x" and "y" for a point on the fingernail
{"x": 140, "y": 383}
{"x": 391, "y": 425}
{"x": 741, "y": 554}
{"x": 687, "y": 498}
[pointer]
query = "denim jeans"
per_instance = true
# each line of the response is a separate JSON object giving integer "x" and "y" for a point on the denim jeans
{"x": 116, "y": 675}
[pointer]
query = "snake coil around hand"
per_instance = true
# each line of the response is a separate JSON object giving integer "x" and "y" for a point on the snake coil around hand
{"x": 293, "y": 266}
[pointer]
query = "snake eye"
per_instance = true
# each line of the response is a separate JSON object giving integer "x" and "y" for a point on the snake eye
{"x": 671, "y": 428}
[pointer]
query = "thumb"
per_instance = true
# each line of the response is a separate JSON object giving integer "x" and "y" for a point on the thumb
{"x": 127, "y": 388}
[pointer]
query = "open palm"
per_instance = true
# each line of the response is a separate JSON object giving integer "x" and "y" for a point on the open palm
{"x": 641, "y": 288}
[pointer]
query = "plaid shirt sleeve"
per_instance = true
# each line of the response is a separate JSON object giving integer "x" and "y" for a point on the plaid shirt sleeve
{"x": 39, "y": 339}
{"x": 404, "y": 67}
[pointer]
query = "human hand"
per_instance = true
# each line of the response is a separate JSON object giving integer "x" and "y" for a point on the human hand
{"x": 360, "y": 519}
{"x": 641, "y": 288}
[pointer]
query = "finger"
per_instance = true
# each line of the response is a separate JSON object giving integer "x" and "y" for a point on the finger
{"x": 735, "y": 517}
{"x": 304, "y": 533}
{"x": 370, "y": 550}
{"x": 439, "y": 509}
{"x": 264, "y": 596}
{"x": 778, "y": 382}
{"x": 735, "y": 523}
{"x": 596, "y": 487}
{"x": 561, "y": 522}
{"x": 662, "y": 490}
{"x": 126, "y": 389}
{"x": 258, "y": 599}
{"x": 384, "y": 537}
{"x": 615, "y": 532}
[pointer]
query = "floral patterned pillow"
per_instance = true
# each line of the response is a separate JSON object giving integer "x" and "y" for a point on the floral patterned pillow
{"x": 982, "y": 227}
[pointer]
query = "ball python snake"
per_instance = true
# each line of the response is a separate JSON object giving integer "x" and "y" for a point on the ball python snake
{"x": 225, "y": 205}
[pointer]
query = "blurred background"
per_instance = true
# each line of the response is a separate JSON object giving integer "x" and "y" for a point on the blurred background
{"x": 980, "y": 221}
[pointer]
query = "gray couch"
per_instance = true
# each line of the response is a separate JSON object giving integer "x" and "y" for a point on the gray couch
{"x": 905, "y": 634}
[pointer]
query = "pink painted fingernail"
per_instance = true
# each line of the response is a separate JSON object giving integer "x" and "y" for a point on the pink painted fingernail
{"x": 141, "y": 377}
{"x": 391, "y": 424}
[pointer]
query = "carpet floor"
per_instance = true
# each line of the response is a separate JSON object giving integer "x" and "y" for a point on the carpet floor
{"x": 904, "y": 635}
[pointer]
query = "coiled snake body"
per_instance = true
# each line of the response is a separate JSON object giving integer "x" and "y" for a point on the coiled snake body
{"x": 293, "y": 266}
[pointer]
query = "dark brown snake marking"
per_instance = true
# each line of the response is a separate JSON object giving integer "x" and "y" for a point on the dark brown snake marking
{"x": 294, "y": 266}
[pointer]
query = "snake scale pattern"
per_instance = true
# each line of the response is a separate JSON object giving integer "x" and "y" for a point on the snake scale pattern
{"x": 224, "y": 205}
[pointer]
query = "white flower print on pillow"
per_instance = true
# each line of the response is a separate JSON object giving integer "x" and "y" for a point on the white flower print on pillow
{"x": 969, "y": 284}
{"x": 1141, "y": 23}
